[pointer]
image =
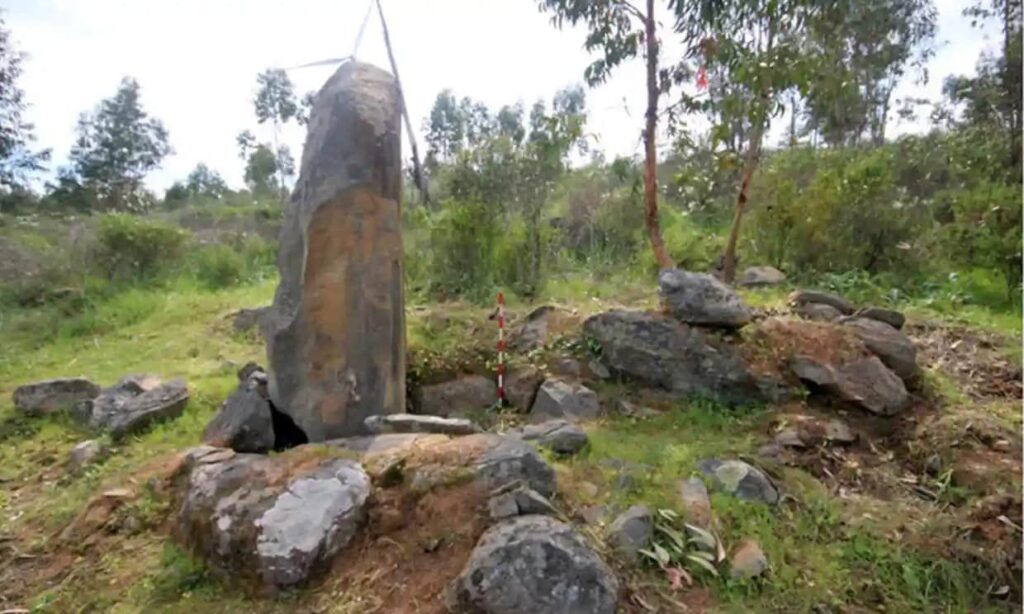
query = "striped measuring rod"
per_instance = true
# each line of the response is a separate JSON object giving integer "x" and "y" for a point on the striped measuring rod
{"x": 501, "y": 349}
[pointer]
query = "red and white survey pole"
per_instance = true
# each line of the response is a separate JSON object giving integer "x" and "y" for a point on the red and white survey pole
{"x": 501, "y": 349}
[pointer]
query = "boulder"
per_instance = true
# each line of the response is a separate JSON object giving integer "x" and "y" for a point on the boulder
{"x": 631, "y": 531}
{"x": 533, "y": 564}
{"x": 682, "y": 359}
{"x": 521, "y": 386}
{"x": 810, "y": 432}
{"x": 538, "y": 327}
{"x": 565, "y": 367}
{"x": 133, "y": 404}
{"x": 559, "y": 436}
{"x": 336, "y": 331}
{"x": 696, "y": 505}
{"x": 864, "y": 381}
{"x": 761, "y": 276}
{"x": 244, "y": 422}
{"x": 818, "y": 312}
{"x": 747, "y": 561}
{"x": 561, "y": 399}
{"x": 85, "y": 453}
{"x": 270, "y": 519}
{"x": 413, "y": 423}
{"x": 891, "y": 317}
{"x": 894, "y": 348}
{"x": 518, "y": 500}
{"x": 803, "y": 297}
{"x": 699, "y": 298}
{"x": 468, "y": 393}
{"x": 598, "y": 370}
{"x": 52, "y": 396}
{"x": 740, "y": 480}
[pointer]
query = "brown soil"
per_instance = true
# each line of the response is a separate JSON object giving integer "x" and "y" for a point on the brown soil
{"x": 772, "y": 342}
{"x": 971, "y": 358}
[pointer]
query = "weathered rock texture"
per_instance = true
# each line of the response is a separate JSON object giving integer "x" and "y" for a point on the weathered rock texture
{"x": 133, "y": 404}
{"x": 244, "y": 423}
{"x": 699, "y": 298}
{"x": 465, "y": 394}
{"x": 336, "y": 333}
{"x": 46, "y": 397}
{"x": 562, "y": 399}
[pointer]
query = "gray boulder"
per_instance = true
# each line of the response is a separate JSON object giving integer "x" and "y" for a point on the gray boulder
{"x": 810, "y": 432}
{"x": 699, "y": 298}
{"x": 696, "y": 504}
{"x": 761, "y": 276}
{"x": 507, "y": 459}
{"x": 533, "y": 564}
{"x": 521, "y": 387}
{"x": 561, "y": 399}
{"x": 682, "y": 359}
{"x": 52, "y": 396}
{"x": 133, "y": 404}
{"x": 518, "y": 500}
{"x": 244, "y": 423}
{"x": 247, "y": 522}
{"x": 631, "y": 531}
{"x": 85, "y": 454}
{"x": 414, "y": 423}
{"x": 894, "y": 348}
{"x": 468, "y": 393}
{"x": 740, "y": 480}
{"x": 865, "y": 382}
{"x": 537, "y": 328}
{"x": 336, "y": 331}
{"x": 818, "y": 312}
{"x": 824, "y": 298}
{"x": 559, "y": 436}
{"x": 891, "y": 317}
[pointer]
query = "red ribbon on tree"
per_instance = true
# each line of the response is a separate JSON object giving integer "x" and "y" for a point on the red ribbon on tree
{"x": 702, "y": 78}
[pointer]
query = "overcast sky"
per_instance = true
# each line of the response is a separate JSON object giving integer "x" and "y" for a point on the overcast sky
{"x": 197, "y": 61}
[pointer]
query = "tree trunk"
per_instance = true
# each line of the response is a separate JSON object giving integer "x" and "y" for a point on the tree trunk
{"x": 650, "y": 153}
{"x": 749, "y": 166}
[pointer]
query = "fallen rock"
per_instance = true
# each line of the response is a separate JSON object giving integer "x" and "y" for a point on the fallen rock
{"x": 414, "y": 423}
{"x": 85, "y": 453}
{"x": 52, "y": 396}
{"x": 747, "y": 561}
{"x": 336, "y": 331}
{"x": 891, "y": 317}
{"x": 518, "y": 501}
{"x": 270, "y": 519}
{"x": 894, "y": 348}
{"x": 682, "y": 359}
{"x": 244, "y": 422}
{"x": 632, "y": 531}
{"x": 533, "y": 564}
{"x": 740, "y": 480}
{"x": 521, "y": 387}
{"x": 561, "y": 399}
{"x": 818, "y": 312}
{"x": 824, "y": 298}
{"x": 865, "y": 382}
{"x": 762, "y": 276}
{"x": 133, "y": 404}
{"x": 538, "y": 327}
{"x": 247, "y": 319}
{"x": 696, "y": 505}
{"x": 466, "y": 394}
{"x": 810, "y": 432}
{"x": 559, "y": 436}
{"x": 699, "y": 298}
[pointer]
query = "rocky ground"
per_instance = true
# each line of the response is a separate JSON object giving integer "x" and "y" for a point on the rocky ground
{"x": 690, "y": 454}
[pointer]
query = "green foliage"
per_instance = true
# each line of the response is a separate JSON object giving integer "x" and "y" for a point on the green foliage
{"x": 17, "y": 161}
{"x": 116, "y": 146}
{"x": 681, "y": 549}
{"x": 462, "y": 246}
{"x": 135, "y": 248}
{"x": 244, "y": 259}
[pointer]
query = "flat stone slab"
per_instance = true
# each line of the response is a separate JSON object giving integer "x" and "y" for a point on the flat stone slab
{"x": 133, "y": 405}
{"x": 415, "y": 423}
{"x": 52, "y": 396}
{"x": 559, "y": 436}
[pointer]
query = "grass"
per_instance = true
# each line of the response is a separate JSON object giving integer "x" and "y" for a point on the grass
{"x": 182, "y": 329}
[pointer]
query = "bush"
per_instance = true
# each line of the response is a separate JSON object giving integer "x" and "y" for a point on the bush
{"x": 135, "y": 248}
{"x": 462, "y": 249}
{"x": 219, "y": 266}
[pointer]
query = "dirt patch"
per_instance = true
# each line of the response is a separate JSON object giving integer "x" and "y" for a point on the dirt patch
{"x": 411, "y": 549}
{"x": 971, "y": 358}
{"x": 772, "y": 342}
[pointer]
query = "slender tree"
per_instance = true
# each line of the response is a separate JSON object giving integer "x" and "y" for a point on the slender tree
{"x": 620, "y": 31}
{"x": 275, "y": 102}
{"x": 17, "y": 160}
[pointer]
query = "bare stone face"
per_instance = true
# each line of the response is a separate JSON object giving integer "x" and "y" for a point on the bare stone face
{"x": 336, "y": 333}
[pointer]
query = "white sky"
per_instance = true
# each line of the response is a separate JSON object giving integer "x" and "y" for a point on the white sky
{"x": 197, "y": 61}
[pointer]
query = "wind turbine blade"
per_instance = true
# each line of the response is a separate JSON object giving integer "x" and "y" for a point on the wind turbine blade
{"x": 321, "y": 63}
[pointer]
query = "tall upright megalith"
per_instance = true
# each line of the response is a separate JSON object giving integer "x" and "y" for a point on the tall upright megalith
{"x": 336, "y": 332}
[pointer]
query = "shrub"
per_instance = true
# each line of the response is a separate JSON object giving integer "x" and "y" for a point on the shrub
{"x": 462, "y": 247}
{"x": 131, "y": 247}
{"x": 219, "y": 266}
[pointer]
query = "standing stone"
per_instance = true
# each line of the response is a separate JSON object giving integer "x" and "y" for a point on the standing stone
{"x": 336, "y": 332}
